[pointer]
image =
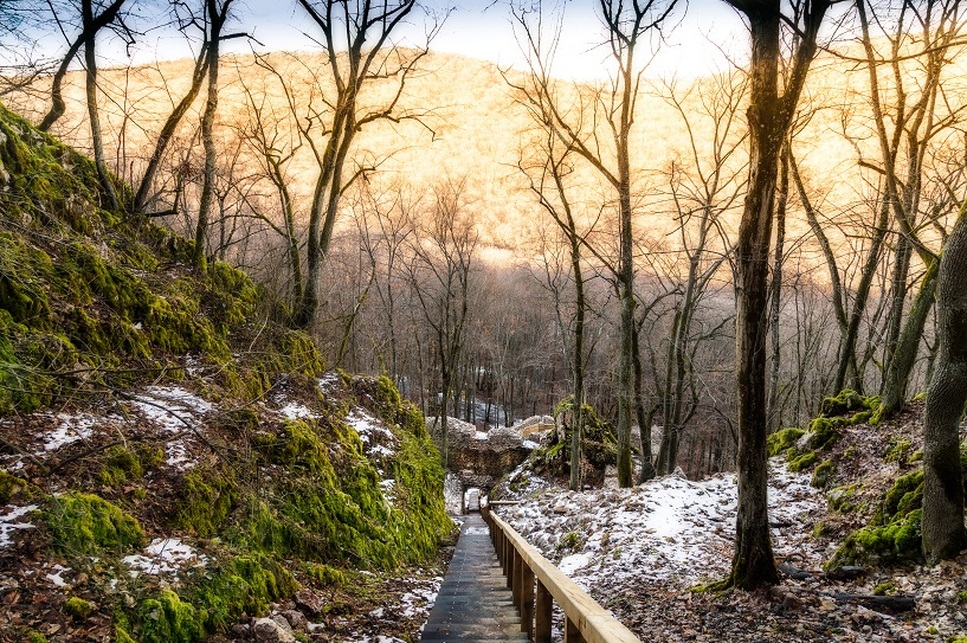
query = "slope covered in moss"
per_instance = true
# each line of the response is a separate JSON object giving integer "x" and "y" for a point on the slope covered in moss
{"x": 173, "y": 462}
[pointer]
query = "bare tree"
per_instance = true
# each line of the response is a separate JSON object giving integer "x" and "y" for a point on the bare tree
{"x": 628, "y": 26}
{"x": 217, "y": 13}
{"x": 356, "y": 36}
{"x": 770, "y": 115}
{"x": 91, "y": 24}
{"x": 440, "y": 266}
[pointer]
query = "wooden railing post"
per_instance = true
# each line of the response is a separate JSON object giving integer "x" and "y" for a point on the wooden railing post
{"x": 527, "y": 599}
{"x": 543, "y": 612}
{"x": 571, "y": 632}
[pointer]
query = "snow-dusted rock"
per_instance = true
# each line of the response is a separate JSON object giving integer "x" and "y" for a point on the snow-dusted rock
{"x": 272, "y": 630}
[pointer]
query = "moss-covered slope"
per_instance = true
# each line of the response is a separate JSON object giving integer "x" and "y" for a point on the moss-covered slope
{"x": 91, "y": 298}
{"x": 145, "y": 408}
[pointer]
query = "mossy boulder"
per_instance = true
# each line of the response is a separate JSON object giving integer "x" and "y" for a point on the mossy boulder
{"x": 599, "y": 446}
{"x": 78, "y": 608}
{"x": 894, "y": 533}
{"x": 845, "y": 403}
{"x": 86, "y": 524}
{"x": 782, "y": 440}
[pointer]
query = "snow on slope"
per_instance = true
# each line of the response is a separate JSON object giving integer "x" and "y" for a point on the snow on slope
{"x": 668, "y": 530}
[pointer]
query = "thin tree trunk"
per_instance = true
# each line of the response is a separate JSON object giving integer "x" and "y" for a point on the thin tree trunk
{"x": 169, "y": 128}
{"x": 200, "y": 256}
{"x": 907, "y": 345}
{"x": 97, "y": 137}
{"x": 775, "y": 301}
{"x": 88, "y": 33}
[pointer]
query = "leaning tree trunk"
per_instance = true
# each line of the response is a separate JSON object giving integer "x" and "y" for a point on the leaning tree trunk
{"x": 943, "y": 491}
{"x": 907, "y": 344}
{"x": 97, "y": 136}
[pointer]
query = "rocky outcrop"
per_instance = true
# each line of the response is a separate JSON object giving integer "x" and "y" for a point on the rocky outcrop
{"x": 481, "y": 458}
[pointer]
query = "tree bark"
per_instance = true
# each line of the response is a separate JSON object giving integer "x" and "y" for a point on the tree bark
{"x": 217, "y": 18}
{"x": 906, "y": 345}
{"x": 770, "y": 115}
{"x": 944, "y": 535}
{"x": 97, "y": 137}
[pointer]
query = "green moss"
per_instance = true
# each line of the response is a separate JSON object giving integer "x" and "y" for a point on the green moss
{"x": 121, "y": 635}
{"x": 331, "y": 507}
{"x": 13, "y": 487}
{"x": 83, "y": 523}
{"x": 841, "y": 498}
{"x": 962, "y": 597}
{"x": 822, "y": 433}
{"x": 120, "y": 465}
{"x": 598, "y": 443}
{"x": 205, "y": 500}
{"x": 781, "y": 441}
{"x": 247, "y": 584}
{"x": 78, "y": 608}
{"x": 326, "y": 575}
{"x": 847, "y": 403}
{"x": 823, "y": 474}
{"x": 905, "y": 495}
{"x": 895, "y": 542}
{"x": 897, "y": 450}
{"x": 886, "y": 588}
{"x": 803, "y": 462}
{"x": 168, "y": 619}
{"x": 894, "y": 534}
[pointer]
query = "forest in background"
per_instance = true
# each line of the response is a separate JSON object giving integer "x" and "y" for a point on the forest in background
{"x": 495, "y": 240}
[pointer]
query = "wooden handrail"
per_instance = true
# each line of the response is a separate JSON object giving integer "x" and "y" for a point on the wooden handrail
{"x": 524, "y": 567}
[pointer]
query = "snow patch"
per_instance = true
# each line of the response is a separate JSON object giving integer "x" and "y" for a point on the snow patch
{"x": 72, "y": 428}
{"x": 296, "y": 411}
{"x": 57, "y": 577}
{"x": 164, "y": 556}
{"x": 11, "y": 522}
{"x": 171, "y": 407}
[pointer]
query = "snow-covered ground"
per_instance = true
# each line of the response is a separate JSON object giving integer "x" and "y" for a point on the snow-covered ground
{"x": 668, "y": 530}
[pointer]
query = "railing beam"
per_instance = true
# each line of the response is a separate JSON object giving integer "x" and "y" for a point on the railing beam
{"x": 585, "y": 620}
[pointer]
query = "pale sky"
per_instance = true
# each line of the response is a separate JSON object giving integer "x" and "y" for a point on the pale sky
{"x": 704, "y": 40}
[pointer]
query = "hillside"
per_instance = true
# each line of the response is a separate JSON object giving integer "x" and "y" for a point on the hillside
{"x": 172, "y": 461}
{"x": 844, "y": 500}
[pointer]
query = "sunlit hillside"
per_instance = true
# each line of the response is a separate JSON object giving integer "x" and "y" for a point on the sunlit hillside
{"x": 465, "y": 126}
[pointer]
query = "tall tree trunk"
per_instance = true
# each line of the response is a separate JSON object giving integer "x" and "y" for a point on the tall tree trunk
{"x": 943, "y": 491}
{"x": 775, "y": 301}
{"x": 577, "y": 430}
{"x": 89, "y": 29}
{"x": 770, "y": 115}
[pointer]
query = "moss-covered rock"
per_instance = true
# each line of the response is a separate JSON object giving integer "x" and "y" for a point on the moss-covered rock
{"x": 894, "y": 533}
{"x": 78, "y": 608}
{"x": 823, "y": 474}
{"x": 12, "y": 487}
{"x": 86, "y": 524}
{"x": 846, "y": 402}
{"x": 783, "y": 439}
